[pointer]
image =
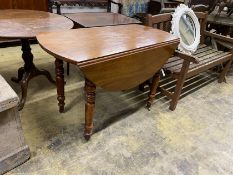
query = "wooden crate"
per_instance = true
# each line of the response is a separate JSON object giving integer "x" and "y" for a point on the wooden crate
{"x": 13, "y": 150}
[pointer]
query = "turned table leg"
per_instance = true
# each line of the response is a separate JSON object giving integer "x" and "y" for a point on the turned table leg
{"x": 153, "y": 87}
{"x": 90, "y": 90}
{"x": 29, "y": 71}
{"x": 60, "y": 84}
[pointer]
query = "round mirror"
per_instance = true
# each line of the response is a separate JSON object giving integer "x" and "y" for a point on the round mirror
{"x": 185, "y": 25}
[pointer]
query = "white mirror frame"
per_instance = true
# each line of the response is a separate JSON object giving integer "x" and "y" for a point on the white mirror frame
{"x": 181, "y": 10}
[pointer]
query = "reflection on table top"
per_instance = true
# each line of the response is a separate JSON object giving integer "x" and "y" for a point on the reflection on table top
{"x": 98, "y": 19}
{"x": 80, "y": 46}
{"x": 28, "y": 23}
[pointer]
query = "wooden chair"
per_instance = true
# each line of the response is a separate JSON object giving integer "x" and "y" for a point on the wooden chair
{"x": 182, "y": 66}
{"x": 202, "y": 5}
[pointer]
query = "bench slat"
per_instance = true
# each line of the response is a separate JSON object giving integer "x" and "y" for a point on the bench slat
{"x": 207, "y": 59}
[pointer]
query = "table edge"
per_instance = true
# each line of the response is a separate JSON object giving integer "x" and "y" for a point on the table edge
{"x": 111, "y": 56}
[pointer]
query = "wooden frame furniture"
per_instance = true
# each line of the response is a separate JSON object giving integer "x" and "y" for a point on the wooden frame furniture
{"x": 202, "y": 5}
{"x": 41, "y": 5}
{"x": 222, "y": 4}
{"x": 113, "y": 58}
{"x": 24, "y": 25}
{"x": 104, "y": 3}
{"x": 223, "y": 24}
{"x": 182, "y": 66}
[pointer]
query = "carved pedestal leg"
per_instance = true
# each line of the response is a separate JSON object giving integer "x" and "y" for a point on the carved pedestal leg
{"x": 29, "y": 71}
{"x": 153, "y": 87}
{"x": 20, "y": 75}
{"x": 90, "y": 89}
{"x": 60, "y": 84}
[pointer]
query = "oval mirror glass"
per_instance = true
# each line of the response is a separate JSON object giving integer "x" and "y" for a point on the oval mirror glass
{"x": 187, "y": 29}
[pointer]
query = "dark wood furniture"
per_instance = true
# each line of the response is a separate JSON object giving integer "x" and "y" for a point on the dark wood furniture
{"x": 182, "y": 66}
{"x": 222, "y": 4}
{"x": 210, "y": 5}
{"x": 24, "y": 25}
{"x": 98, "y": 19}
{"x": 114, "y": 58}
{"x": 41, "y": 5}
{"x": 21, "y": 4}
{"x": 101, "y": 3}
{"x": 223, "y": 24}
{"x": 59, "y": 3}
{"x": 157, "y": 7}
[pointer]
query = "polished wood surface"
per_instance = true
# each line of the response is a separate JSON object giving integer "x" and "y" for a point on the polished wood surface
{"x": 114, "y": 58}
{"x": 27, "y": 23}
{"x": 111, "y": 48}
{"x": 92, "y": 19}
{"x": 87, "y": 19}
{"x": 85, "y": 46}
{"x": 24, "y": 4}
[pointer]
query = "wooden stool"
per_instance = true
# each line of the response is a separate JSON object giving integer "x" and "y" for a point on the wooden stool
{"x": 13, "y": 150}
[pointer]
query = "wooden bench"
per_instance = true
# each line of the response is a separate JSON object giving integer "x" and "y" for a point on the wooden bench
{"x": 182, "y": 66}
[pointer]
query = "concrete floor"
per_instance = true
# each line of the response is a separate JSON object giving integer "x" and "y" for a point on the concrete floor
{"x": 195, "y": 139}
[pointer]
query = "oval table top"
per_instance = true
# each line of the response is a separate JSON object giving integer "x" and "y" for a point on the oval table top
{"x": 85, "y": 45}
{"x": 28, "y": 23}
{"x": 113, "y": 57}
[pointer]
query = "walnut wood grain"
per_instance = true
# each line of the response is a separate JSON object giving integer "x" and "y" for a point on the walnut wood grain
{"x": 28, "y": 23}
{"x": 90, "y": 45}
{"x": 114, "y": 57}
{"x": 92, "y": 19}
